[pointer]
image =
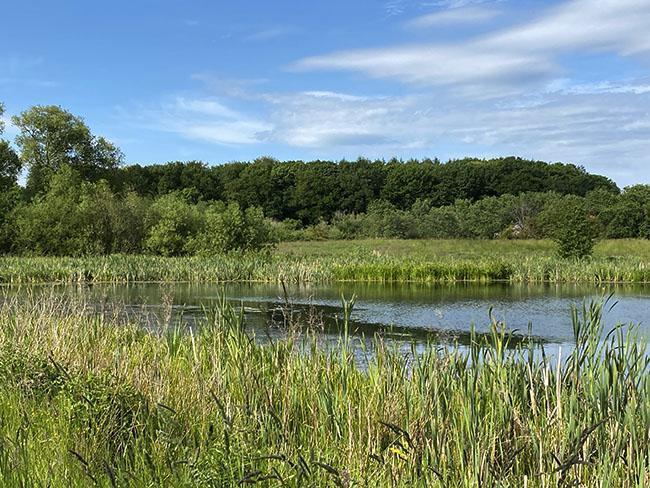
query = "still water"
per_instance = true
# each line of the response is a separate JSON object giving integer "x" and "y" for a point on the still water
{"x": 405, "y": 313}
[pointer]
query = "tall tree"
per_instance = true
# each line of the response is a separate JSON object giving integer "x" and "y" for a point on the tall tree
{"x": 51, "y": 137}
{"x": 9, "y": 162}
{"x": 10, "y": 167}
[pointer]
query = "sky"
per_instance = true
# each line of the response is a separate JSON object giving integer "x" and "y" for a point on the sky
{"x": 221, "y": 81}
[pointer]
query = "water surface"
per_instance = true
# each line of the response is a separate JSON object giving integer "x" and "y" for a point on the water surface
{"x": 406, "y": 313}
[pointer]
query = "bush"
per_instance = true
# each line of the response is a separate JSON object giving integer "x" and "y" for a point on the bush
{"x": 287, "y": 230}
{"x": 347, "y": 226}
{"x": 568, "y": 223}
{"x": 9, "y": 199}
{"x": 385, "y": 220}
{"x": 173, "y": 225}
{"x": 229, "y": 228}
{"x": 52, "y": 224}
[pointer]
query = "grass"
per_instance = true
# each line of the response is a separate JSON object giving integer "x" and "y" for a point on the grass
{"x": 433, "y": 249}
{"x": 426, "y": 261}
{"x": 88, "y": 400}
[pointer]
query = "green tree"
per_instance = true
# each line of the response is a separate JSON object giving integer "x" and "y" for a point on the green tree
{"x": 629, "y": 214}
{"x": 230, "y": 228}
{"x": 10, "y": 167}
{"x": 51, "y": 225}
{"x": 51, "y": 138}
{"x": 173, "y": 225}
{"x": 567, "y": 221}
{"x": 76, "y": 217}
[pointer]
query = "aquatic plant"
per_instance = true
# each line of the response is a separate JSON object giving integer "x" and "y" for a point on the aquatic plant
{"x": 88, "y": 400}
{"x": 356, "y": 266}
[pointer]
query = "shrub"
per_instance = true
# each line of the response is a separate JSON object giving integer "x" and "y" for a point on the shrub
{"x": 568, "y": 223}
{"x": 229, "y": 228}
{"x": 173, "y": 225}
{"x": 385, "y": 220}
{"x": 347, "y": 226}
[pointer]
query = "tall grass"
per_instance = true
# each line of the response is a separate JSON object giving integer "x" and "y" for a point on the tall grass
{"x": 357, "y": 266}
{"x": 87, "y": 400}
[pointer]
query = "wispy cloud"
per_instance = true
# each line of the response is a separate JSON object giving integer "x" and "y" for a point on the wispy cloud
{"x": 395, "y": 7}
{"x": 268, "y": 34}
{"x": 329, "y": 119}
{"x": 206, "y": 119}
{"x": 454, "y": 4}
{"x": 516, "y": 56}
{"x": 568, "y": 86}
{"x": 20, "y": 70}
{"x": 467, "y": 15}
{"x": 505, "y": 92}
{"x": 608, "y": 131}
{"x": 605, "y": 126}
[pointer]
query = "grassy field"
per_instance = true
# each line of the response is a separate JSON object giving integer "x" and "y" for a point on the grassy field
{"x": 87, "y": 400}
{"x": 368, "y": 260}
{"x": 427, "y": 249}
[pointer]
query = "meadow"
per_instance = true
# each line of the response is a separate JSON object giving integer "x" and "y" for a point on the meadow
{"x": 374, "y": 260}
{"x": 92, "y": 400}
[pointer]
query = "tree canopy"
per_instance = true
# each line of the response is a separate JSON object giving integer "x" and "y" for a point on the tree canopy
{"x": 313, "y": 191}
{"x": 51, "y": 137}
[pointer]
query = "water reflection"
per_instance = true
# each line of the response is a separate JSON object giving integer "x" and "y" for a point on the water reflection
{"x": 441, "y": 314}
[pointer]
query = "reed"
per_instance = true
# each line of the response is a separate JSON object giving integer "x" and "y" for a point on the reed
{"x": 92, "y": 400}
{"x": 361, "y": 265}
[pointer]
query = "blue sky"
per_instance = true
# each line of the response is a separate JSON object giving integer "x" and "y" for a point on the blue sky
{"x": 220, "y": 81}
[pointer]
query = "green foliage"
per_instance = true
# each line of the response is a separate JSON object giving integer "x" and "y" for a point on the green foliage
{"x": 92, "y": 401}
{"x": 506, "y": 216}
{"x": 52, "y": 225}
{"x": 10, "y": 166}
{"x": 385, "y": 220}
{"x": 372, "y": 260}
{"x": 630, "y": 215}
{"x": 316, "y": 191}
{"x": 51, "y": 138}
{"x": 75, "y": 218}
{"x": 9, "y": 199}
{"x": 173, "y": 223}
{"x": 229, "y": 228}
{"x": 567, "y": 221}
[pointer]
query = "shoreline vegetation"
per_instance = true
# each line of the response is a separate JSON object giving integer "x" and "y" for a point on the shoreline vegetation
{"x": 91, "y": 400}
{"x": 426, "y": 261}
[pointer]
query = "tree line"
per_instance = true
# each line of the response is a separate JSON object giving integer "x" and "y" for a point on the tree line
{"x": 79, "y": 197}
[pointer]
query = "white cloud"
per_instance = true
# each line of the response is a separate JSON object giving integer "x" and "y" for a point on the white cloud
{"x": 462, "y": 15}
{"x": 395, "y": 7}
{"x": 268, "y": 34}
{"x": 568, "y": 87}
{"x": 605, "y": 126}
{"x": 206, "y": 119}
{"x": 451, "y": 4}
{"x": 204, "y": 106}
{"x": 516, "y": 56}
{"x": 605, "y": 131}
{"x": 327, "y": 119}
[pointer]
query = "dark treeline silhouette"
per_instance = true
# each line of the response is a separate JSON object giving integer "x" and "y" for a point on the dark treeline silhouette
{"x": 314, "y": 191}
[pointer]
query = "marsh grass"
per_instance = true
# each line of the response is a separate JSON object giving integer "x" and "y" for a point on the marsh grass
{"x": 349, "y": 261}
{"x": 86, "y": 400}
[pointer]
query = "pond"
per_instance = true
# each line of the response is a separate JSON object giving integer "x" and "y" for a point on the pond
{"x": 403, "y": 313}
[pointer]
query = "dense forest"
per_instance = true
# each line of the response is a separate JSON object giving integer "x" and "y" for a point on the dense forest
{"x": 79, "y": 198}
